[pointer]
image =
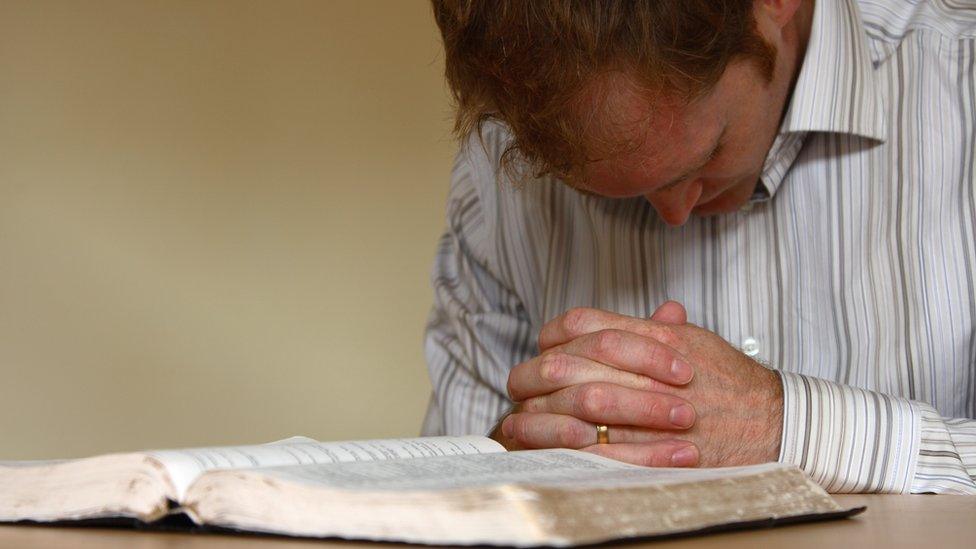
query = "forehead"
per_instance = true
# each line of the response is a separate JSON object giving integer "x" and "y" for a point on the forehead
{"x": 635, "y": 136}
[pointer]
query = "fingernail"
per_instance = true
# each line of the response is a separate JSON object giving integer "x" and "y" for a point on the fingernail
{"x": 507, "y": 427}
{"x": 682, "y": 416}
{"x": 685, "y": 457}
{"x": 681, "y": 371}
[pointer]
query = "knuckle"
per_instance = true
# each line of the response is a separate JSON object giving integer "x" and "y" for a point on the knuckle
{"x": 516, "y": 378}
{"x": 572, "y": 435}
{"x": 657, "y": 355}
{"x": 606, "y": 342}
{"x": 532, "y": 404}
{"x": 575, "y": 320}
{"x": 654, "y": 410}
{"x": 554, "y": 366}
{"x": 519, "y": 429}
{"x": 592, "y": 400}
{"x": 510, "y": 387}
{"x": 652, "y": 457}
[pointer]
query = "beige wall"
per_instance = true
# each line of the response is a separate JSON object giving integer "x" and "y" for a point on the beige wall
{"x": 216, "y": 220}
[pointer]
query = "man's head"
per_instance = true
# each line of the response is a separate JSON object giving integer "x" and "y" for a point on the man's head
{"x": 677, "y": 101}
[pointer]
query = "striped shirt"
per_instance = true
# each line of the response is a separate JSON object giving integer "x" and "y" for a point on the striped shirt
{"x": 851, "y": 272}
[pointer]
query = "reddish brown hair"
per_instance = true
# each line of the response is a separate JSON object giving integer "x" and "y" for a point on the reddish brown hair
{"x": 529, "y": 63}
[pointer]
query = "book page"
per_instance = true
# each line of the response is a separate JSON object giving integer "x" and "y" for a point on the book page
{"x": 184, "y": 466}
{"x": 526, "y": 498}
{"x": 557, "y": 467}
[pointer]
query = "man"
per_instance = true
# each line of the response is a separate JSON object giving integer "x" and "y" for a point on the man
{"x": 797, "y": 179}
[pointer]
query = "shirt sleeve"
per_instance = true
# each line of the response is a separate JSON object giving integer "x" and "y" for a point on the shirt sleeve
{"x": 478, "y": 328}
{"x": 853, "y": 440}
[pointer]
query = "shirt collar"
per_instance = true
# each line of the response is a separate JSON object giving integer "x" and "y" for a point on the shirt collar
{"x": 836, "y": 90}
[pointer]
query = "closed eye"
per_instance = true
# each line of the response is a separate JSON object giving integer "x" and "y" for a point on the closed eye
{"x": 714, "y": 154}
{"x": 716, "y": 150}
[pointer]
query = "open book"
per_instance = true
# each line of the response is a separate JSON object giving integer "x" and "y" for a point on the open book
{"x": 435, "y": 490}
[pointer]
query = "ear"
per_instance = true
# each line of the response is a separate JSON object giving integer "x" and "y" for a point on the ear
{"x": 779, "y": 12}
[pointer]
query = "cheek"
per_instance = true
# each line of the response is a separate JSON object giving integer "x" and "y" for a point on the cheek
{"x": 731, "y": 179}
{"x": 737, "y": 161}
{"x": 747, "y": 147}
{"x": 726, "y": 171}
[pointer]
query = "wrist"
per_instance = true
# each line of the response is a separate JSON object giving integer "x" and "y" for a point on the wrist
{"x": 759, "y": 424}
{"x": 774, "y": 407}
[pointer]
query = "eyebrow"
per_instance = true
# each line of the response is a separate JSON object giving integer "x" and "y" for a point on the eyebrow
{"x": 713, "y": 150}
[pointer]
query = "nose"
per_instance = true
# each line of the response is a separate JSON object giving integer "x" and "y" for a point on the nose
{"x": 674, "y": 205}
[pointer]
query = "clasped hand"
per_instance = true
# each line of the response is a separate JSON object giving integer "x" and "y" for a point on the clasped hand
{"x": 673, "y": 394}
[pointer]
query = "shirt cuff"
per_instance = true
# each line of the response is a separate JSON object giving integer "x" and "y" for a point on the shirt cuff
{"x": 849, "y": 440}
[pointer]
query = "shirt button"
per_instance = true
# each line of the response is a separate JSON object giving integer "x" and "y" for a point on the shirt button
{"x": 750, "y": 347}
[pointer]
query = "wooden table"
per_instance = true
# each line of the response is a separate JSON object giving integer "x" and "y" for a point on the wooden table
{"x": 928, "y": 522}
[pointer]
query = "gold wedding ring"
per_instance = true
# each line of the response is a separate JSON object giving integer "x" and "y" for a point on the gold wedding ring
{"x": 602, "y": 434}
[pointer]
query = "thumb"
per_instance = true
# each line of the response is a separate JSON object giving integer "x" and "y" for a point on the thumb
{"x": 670, "y": 312}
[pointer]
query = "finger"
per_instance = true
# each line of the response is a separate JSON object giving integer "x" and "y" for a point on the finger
{"x": 543, "y": 430}
{"x": 548, "y": 431}
{"x": 631, "y": 352}
{"x": 670, "y": 312}
{"x": 608, "y": 404}
{"x": 611, "y": 356}
{"x": 552, "y": 371}
{"x": 665, "y": 453}
{"x": 577, "y": 322}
